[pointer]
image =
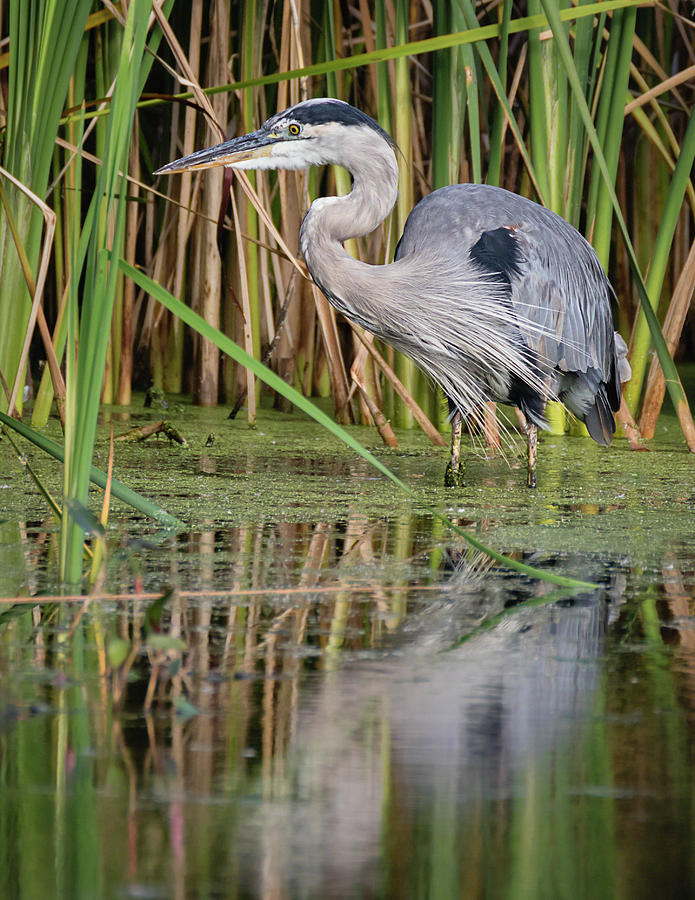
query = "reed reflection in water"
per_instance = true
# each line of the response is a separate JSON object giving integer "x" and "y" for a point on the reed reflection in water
{"x": 283, "y": 726}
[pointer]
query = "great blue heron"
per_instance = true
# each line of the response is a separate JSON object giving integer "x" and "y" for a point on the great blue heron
{"x": 493, "y": 296}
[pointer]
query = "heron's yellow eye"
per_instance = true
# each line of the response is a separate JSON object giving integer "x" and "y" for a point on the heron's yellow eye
{"x": 293, "y": 128}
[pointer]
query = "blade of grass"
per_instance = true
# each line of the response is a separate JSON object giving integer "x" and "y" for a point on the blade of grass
{"x": 35, "y": 288}
{"x": 674, "y": 321}
{"x": 96, "y": 476}
{"x": 103, "y": 228}
{"x": 44, "y": 37}
{"x": 46, "y": 494}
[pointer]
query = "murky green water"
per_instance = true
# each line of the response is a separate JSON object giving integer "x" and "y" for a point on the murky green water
{"x": 334, "y": 700}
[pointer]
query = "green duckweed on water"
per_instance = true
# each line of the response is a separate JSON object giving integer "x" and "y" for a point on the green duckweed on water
{"x": 589, "y": 498}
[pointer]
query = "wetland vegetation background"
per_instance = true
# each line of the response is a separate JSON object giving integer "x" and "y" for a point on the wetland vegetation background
{"x": 270, "y": 672}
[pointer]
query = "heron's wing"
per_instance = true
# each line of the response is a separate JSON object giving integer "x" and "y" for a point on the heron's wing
{"x": 562, "y": 299}
{"x": 562, "y": 303}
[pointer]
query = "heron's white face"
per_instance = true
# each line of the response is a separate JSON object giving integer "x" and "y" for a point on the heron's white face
{"x": 288, "y": 141}
{"x": 295, "y": 145}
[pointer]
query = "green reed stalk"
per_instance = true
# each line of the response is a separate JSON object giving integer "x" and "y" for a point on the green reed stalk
{"x": 92, "y": 262}
{"x": 448, "y": 122}
{"x": 343, "y": 181}
{"x": 494, "y": 164}
{"x": 657, "y": 268}
{"x": 538, "y": 123}
{"x": 383, "y": 86}
{"x": 108, "y": 46}
{"x": 250, "y": 64}
{"x": 547, "y": 105}
{"x": 44, "y": 41}
{"x": 69, "y": 201}
{"x": 385, "y": 117}
{"x": 471, "y": 81}
{"x": 586, "y": 54}
{"x": 448, "y": 101}
{"x": 499, "y": 88}
{"x": 405, "y": 368}
{"x": 609, "y": 126}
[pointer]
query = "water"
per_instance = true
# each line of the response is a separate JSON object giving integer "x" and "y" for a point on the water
{"x": 317, "y": 692}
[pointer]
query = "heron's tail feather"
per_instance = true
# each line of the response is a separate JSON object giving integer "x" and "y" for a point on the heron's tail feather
{"x": 621, "y": 351}
{"x": 599, "y": 419}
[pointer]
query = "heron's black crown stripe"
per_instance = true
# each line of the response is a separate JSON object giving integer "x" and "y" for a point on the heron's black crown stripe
{"x": 321, "y": 112}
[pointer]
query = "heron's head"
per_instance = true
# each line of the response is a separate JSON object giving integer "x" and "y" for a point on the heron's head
{"x": 311, "y": 133}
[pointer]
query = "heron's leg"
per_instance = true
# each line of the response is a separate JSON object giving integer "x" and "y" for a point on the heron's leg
{"x": 491, "y": 427}
{"x": 454, "y": 469}
{"x": 532, "y": 441}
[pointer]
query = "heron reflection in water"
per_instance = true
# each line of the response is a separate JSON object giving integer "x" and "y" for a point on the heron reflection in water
{"x": 493, "y": 296}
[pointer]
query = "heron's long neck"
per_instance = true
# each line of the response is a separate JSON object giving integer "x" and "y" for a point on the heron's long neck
{"x": 332, "y": 220}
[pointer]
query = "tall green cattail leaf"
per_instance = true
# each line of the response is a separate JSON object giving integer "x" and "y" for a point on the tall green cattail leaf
{"x": 89, "y": 326}
{"x": 44, "y": 39}
{"x": 250, "y": 60}
{"x": 657, "y": 269}
{"x": 405, "y": 368}
{"x": 609, "y": 126}
{"x": 494, "y": 164}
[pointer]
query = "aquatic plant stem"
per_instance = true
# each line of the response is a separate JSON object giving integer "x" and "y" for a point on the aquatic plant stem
{"x": 404, "y": 367}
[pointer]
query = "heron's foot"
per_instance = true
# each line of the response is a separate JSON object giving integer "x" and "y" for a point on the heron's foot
{"x": 453, "y": 476}
{"x": 532, "y": 438}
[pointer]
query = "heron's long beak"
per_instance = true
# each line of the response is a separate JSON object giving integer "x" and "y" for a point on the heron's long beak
{"x": 255, "y": 145}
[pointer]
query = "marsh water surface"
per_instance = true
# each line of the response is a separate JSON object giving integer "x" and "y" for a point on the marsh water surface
{"x": 316, "y": 691}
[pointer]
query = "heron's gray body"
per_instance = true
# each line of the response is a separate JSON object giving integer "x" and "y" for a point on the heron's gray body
{"x": 557, "y": 299}
{"x": 492, "y": 295}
